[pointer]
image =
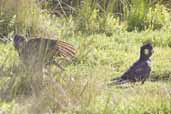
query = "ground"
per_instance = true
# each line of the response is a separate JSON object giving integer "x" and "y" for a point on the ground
{"x": 99, "y": 58}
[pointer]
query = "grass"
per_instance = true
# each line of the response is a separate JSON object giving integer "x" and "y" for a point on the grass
{"x": 82, "y": 87}
{"x": 105, "y": 50}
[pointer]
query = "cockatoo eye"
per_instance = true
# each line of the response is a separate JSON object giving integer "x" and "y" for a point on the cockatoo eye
{"x": 146, "y": 51}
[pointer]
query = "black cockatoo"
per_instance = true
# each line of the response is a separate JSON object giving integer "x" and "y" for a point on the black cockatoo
{"x": 38, "y": 52}
{"x": 140, "y": 70}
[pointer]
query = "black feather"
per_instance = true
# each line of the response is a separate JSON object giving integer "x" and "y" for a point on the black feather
{"x": 140, "y": 70}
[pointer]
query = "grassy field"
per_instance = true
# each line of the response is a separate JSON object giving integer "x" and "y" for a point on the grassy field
{"x": 82, "y": 87}
{"x": 105, "y": 49}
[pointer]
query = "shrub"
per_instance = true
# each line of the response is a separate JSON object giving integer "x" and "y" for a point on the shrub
{"x": 95, "y": 23}
{"x": 136, "y": 15}
{"x": 158, "y": 17}
{"x": 25, "y": 17}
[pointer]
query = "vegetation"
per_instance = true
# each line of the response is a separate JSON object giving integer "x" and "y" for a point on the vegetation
{"x": 107, "y": 44}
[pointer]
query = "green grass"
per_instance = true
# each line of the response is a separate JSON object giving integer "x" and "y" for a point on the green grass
{"x": 105, "y": 53}
{"x": 82, "y": 87}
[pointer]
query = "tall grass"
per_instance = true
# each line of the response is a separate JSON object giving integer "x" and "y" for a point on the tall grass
{"x": 94, "y": 17}
{"x": 104, "y": 16}
{"x": 82, "y": 87}
{"x": 89, "y": 16}
{"x": 136, "y": 15}
{"x": 27, "y": 18}
{"x": 158, "y": 17}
